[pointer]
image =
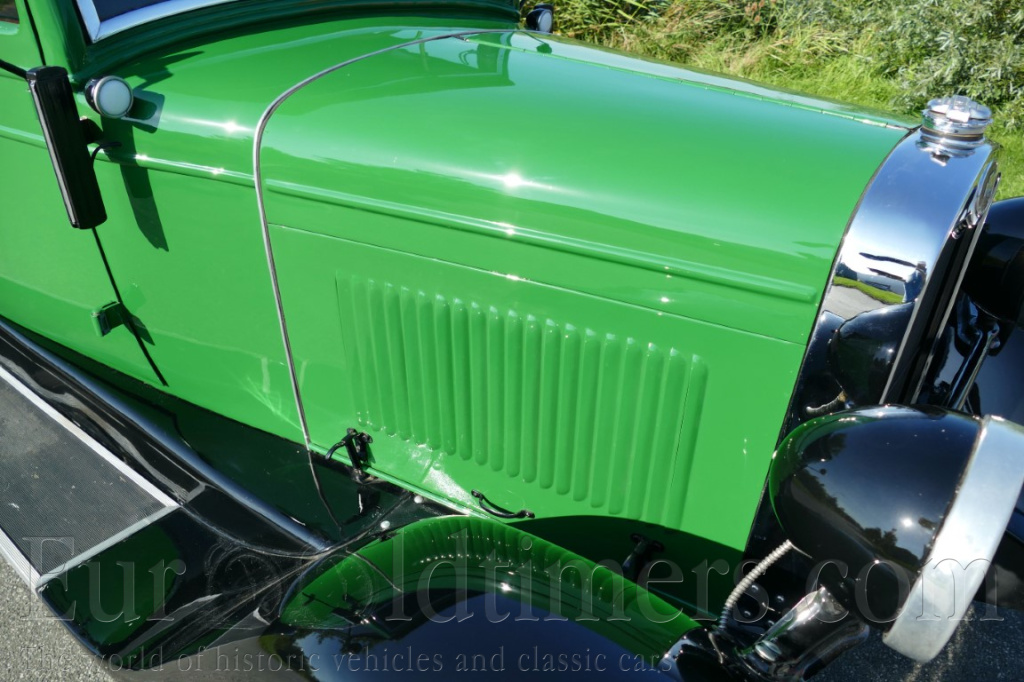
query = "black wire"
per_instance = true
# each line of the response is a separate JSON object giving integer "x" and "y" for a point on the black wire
{"x": 318, "y": 486}
{"x": 102, "y": 147}
{"x": 311, "y": 455}
{"x": 128, "y": 322}
{"x": 127, "y": 315}
{"x": 334, "y": 448}
{"x": 16, "y": 70}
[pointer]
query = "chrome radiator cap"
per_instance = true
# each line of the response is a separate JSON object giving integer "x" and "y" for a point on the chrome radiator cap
{"x": 956, "y": 120}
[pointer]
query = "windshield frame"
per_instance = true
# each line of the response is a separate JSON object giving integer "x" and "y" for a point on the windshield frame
{"x": 98, "y": 30}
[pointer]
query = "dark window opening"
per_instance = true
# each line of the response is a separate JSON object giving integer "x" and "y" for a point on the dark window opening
{"x": 8, "y": 11}
{"x": 108, "y": 9}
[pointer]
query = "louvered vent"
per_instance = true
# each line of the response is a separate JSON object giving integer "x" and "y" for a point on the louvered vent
{"x": 605, "y": 419}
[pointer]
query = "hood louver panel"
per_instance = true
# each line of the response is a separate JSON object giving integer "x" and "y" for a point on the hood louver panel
{"x": 603, "y": 419}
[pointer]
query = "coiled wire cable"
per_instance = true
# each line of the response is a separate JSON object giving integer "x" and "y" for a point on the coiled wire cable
{"x": 749, "y": 579}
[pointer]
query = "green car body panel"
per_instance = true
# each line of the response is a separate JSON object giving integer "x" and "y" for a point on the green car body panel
{"x": 578, "y": 282}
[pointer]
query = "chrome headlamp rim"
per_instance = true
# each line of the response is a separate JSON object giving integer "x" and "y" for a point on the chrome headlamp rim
{"x": 967, "y": 540}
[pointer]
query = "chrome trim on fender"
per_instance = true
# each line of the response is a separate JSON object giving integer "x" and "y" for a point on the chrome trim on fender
{"x": 965, "y": 544}
{"x": 903, "y": 245}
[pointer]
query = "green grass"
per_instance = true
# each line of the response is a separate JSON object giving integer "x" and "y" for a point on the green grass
{"x": 883, "y": 296}
{"x": 885, "y": 54}
{"x": 1012, "y": 161}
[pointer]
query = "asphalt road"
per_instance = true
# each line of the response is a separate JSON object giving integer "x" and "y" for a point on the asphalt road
{"x": 33, "y": 647}
{"x": 848, "y": 302}
{"x": 981, "y": 650}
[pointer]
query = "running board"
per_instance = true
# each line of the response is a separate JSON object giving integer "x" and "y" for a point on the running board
{"x": 140, "y": 436}
{"x": 125, "y": 509}
{"x": 65, "y": 497}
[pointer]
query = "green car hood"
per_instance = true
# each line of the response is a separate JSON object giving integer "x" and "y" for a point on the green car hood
{"x": 741, "y": 193}
{"x": 578, "y": 282}
{"x": 553, "y": 274}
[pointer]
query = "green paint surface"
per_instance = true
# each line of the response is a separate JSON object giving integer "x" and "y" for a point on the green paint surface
{"x": 579, "y": 282}
{"x": 510, "y": 303}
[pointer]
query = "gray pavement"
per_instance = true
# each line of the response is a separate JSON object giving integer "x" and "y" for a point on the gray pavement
{"x": 33, "y": 647}
{"x": 981, "y": 650}
{"x": 848, "y": 302}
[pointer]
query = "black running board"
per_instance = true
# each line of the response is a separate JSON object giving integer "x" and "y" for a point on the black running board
{"x": 146, "y": 437}
{"x": 117, "y": 505}
{"x": 65, "y": 496}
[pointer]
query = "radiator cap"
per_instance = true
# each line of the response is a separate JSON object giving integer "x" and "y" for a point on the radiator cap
{"x": 956, "y": 120}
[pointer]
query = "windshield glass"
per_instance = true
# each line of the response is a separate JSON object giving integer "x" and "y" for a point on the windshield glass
{"x": 107, "y": 17}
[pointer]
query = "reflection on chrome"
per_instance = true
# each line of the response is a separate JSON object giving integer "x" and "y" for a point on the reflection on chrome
{"x": 904, "y": 253}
